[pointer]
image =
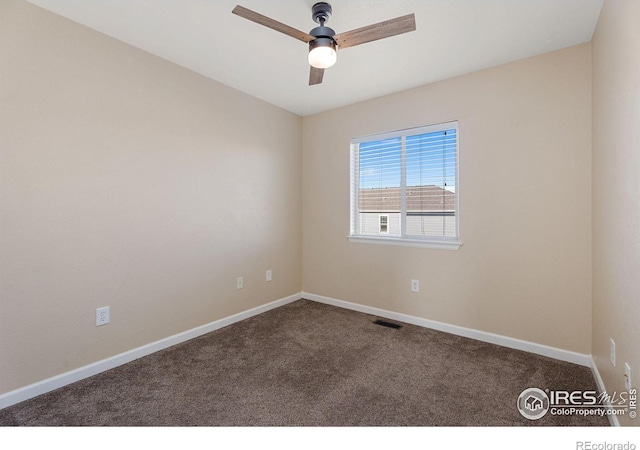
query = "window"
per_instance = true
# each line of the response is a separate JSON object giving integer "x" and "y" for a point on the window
{"x": 383, "y": 222}
{"x": 404, "y": 187}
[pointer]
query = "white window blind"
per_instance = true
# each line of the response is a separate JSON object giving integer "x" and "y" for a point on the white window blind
{"x": 410, "y": 176}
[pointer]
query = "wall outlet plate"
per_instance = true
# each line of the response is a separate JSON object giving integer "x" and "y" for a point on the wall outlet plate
{"x": 103, "y": 316}
{"x": 239, "y": 283}
{"x": 268, "y": 275}
{"x": 415, "y": 285}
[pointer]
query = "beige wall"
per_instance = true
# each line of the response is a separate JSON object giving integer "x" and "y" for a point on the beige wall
{"x": 616, "y": 193}
{"x": 524, "y": 270}
{"x": 128, "y": 181}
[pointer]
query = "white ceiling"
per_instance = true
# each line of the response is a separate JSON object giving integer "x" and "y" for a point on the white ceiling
{"x": 453, "y": 37}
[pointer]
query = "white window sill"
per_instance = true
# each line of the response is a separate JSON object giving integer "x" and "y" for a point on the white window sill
{"x": 402, "y": 242}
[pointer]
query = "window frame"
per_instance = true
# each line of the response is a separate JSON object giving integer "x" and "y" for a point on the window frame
{"x": 447, "y": 243}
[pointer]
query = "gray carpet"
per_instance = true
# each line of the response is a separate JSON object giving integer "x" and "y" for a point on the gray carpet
{"x": 309, "y": 364}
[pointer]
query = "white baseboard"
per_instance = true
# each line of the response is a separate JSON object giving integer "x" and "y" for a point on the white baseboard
{"x": 613, "y": 420}
{"x": 50, "y": 384}
{"x": 517, "y": 344}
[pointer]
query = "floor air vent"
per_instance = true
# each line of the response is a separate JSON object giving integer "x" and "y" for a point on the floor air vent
{"x": 384, "y": 323}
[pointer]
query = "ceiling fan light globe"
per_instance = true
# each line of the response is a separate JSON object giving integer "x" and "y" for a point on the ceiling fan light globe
{"x": 322, "y": 57}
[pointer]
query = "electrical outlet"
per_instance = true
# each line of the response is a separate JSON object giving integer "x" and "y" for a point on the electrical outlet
{"x": 612, "y": 351}
{"x": 268, "y": 275}
{"x": 415, "y": 285}
{"x": 102, "y": 316}
{"x": 239, "y": 283}
{"x": 627, "y": 377}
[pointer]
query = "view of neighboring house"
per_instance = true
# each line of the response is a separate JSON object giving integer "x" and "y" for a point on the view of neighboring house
{"x": 431, "y": 211}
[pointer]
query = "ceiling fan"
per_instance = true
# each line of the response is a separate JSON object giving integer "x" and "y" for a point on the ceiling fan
{"x": 323, "y": 41}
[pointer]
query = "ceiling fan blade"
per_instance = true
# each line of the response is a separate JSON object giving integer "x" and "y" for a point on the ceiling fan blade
{"x": 315, "y": 76}
{"x": 273, "y": 24}
{"x": 380, "y": 30}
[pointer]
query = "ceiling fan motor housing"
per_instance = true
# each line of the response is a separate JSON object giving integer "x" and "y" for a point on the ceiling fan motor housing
{"x": 321, "y": 32}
